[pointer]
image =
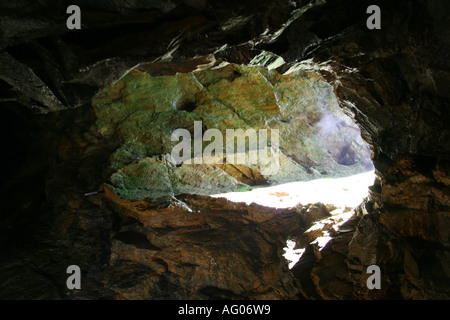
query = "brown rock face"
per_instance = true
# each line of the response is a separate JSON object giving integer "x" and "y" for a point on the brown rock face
{"x": 392, "y": 82}
{"x": 202, "y": 248}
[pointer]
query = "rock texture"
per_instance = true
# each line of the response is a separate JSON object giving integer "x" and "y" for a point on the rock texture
{"x": 393, "y": 83}
{"x": 409, "y": 150}
{"x": 139, "y": 113}
{"x": 196, "y": 249}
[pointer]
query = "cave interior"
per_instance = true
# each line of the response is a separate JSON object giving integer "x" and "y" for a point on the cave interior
{"x": 88, "y": 179}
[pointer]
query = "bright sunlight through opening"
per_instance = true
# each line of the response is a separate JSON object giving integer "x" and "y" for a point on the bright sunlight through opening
{"x": 343, "y": 194}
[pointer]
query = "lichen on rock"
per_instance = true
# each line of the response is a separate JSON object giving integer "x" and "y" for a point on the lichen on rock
{"x": 140, "y": 112}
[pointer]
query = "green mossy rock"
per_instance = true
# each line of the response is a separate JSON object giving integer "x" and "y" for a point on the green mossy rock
{"x": 140, "y": 112}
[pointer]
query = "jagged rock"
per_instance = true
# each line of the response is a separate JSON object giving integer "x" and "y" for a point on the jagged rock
{"x": 312, "y": 212}
{"x": 203, "y": 248}
{"x": 392, "y": 82}
{"x": 140, "y": 112}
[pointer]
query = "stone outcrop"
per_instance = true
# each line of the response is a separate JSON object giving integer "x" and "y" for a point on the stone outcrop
{"x": 139, "y": 113}
{"x": 195, "y": 249}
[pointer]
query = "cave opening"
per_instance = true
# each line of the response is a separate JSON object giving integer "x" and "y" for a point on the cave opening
{"x": 90, "y": 179}
{"x": 320, "y": 159}
{"x": 173, "y": 132}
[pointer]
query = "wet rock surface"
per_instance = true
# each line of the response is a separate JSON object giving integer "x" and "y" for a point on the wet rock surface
{"x": 392, "y": 82}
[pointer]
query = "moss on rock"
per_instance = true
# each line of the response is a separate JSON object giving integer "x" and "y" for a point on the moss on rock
{"x": 140, "y": 112}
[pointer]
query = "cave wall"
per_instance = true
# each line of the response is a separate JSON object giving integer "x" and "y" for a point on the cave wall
{"x": 141, "y": 113}
{"x": 392, "y": 82}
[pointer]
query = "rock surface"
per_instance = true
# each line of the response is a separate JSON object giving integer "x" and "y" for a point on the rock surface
{"x": 202, "y": 248}
{"x": 392, "y": 82}
{"x": 139, "y": 113}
